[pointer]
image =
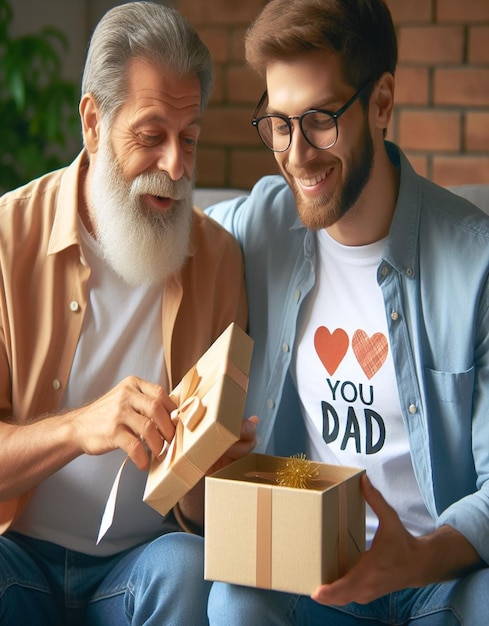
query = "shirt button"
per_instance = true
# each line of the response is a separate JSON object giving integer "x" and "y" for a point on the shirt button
{"x": 394, "y": 316}
{"x": 56, "y": 384}
{"x": 74, "y": 306}
{"x": 410, "y": 272}
{"x": 285, "y": 347}
{"x": 412, "y": 409}
{"x": 297, "y": 295}
{"x": 385, "y": 270}
{"x": 270, "y": 403}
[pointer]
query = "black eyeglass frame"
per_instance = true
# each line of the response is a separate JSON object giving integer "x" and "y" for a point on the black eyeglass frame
{"x": 335, "y": 115}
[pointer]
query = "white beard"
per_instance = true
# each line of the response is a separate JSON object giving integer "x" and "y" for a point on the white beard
{"x": 143, "y": 247}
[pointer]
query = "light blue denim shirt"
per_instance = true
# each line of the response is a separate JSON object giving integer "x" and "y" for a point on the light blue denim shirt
{"x": 434, "y": 280}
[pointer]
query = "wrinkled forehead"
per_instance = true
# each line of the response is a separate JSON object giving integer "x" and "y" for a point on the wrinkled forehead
{"x": 148, "y": 82}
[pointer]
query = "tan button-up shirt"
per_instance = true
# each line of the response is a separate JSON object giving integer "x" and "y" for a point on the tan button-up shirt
{"x": 43, "y": 298}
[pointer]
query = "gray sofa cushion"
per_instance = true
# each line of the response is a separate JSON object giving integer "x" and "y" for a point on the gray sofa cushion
{"x": 478, "y": 194}
{"x": 206, "y": 197}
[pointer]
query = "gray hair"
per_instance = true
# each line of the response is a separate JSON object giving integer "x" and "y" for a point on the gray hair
{"x": 144, "y": 30}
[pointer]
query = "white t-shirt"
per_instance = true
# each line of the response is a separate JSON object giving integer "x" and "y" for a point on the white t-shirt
{"x": 121, "y": 335}
{"x": 344, "y": 373}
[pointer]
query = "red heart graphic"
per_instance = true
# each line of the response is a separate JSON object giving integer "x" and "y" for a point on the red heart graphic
{"x": 331, "y": 347}
{"x": 371, "y": 352}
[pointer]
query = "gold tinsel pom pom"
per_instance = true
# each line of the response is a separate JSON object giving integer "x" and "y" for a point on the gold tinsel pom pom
{"x": 297, "y": 471}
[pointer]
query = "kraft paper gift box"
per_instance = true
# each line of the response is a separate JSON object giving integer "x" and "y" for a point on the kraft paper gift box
{"x": 211, "y": 399}
{"x": 261, "y": 534}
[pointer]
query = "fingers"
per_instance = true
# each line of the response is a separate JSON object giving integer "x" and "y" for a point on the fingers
{"x": 248, "y": 429}
{"x": 144, "y": 424}
{"x": 153, "y": 403}
{"x": 135, "y": 450}
{"x": 134, "y": 416}
{"x": 246, "y": 442}
{"x": 375, "y": 500}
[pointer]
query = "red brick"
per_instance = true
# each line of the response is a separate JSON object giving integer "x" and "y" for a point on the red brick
{"x": 412, "y": 85}
{"x": 431, "y": 45}
{"x": 460, "y": 170}
{"x": 431, "y": 73}
{"x": 193, "y": 10}
{"x": 477, "y": 132}
{"x": 244, "y": 86}
{"x": 231, "y": 12}
{"x": 478, "y": 44}
{"x": 247, "y": 166}
{"x": 228, "y": 126}
{"x": 218, "y": 89}
{"x": 429, "y": 130}
{"x": 462, "y": 10}
{"x": 464, "y": 86}
{"x": 419, "y": 163}
{"x": 410, "y": 10}
{"x": 211, "y": 167}
{"x": 216, "y": 39}
{"x": 238, "y": 43}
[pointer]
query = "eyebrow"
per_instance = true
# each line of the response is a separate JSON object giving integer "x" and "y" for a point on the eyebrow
{"x": 324, "y": 105}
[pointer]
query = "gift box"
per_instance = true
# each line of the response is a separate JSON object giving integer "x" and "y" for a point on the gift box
{"x": 262, "y": 534}
{"x": 210, "y": 399}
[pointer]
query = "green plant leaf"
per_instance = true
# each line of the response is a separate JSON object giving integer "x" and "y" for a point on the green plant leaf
{"x": 38, "y": 108}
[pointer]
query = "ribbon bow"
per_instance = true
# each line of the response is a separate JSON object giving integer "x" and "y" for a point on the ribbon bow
{"x": 187, "y": 415}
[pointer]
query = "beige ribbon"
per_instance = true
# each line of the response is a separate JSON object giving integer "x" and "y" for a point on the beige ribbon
{"x": 342, "y": 530}
{"x": 264, "y": 537}
{"x": 264, "y": 515}
{"x": 189, "y": 413}
{"x": 187, "y": 416}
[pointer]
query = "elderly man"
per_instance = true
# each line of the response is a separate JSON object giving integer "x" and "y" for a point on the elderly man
{"x": 111, "y": 288}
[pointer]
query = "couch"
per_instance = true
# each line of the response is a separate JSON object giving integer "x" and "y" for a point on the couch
{"x": 478, "y": 194}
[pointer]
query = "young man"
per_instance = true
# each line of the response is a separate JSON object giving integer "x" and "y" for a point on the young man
{"x": 111, "y": 287}
{"x": 369, "y": 307}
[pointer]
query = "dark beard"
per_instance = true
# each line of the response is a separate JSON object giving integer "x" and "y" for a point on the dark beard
{"x": 324, "y": 211}
{"x": 361, "y": 168}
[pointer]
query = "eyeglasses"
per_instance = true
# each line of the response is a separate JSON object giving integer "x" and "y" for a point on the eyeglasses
{"x": 319, "y": 127}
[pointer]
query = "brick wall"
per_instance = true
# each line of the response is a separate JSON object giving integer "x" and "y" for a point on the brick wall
{"x": 441, "y": 118}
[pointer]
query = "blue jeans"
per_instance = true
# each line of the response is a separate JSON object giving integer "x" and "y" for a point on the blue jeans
{"x": 159, "y": 583}
{"x": 459, "y": 602}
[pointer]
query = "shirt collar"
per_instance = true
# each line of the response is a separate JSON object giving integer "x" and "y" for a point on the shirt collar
{"x": 402, "y": 244}
{"x": 65, "y": 226}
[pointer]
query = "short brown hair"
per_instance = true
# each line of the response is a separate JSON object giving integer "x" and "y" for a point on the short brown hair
{"x": 361, "y": 32}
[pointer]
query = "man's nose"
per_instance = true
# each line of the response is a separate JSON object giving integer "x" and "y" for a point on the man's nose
{"x": 300, "y": 150}
{"x": 171, "y": 159}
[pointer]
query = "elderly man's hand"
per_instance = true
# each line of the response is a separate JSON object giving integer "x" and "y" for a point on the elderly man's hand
{"x": 133, "y": 416}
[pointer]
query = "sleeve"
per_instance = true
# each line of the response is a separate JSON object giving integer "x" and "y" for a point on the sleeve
{"x": 470, "y": 514}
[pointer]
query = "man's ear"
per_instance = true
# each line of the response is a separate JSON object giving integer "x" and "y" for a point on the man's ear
{"x": 90, "y": 119}
{"x": 383, "y": 102}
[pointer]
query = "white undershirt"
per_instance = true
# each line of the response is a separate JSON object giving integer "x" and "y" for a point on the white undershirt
{"x": 343, "y": 369}
{"x": 121, "y": 335}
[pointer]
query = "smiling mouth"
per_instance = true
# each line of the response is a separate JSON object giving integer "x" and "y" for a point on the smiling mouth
{"x": 315, "y": 180}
